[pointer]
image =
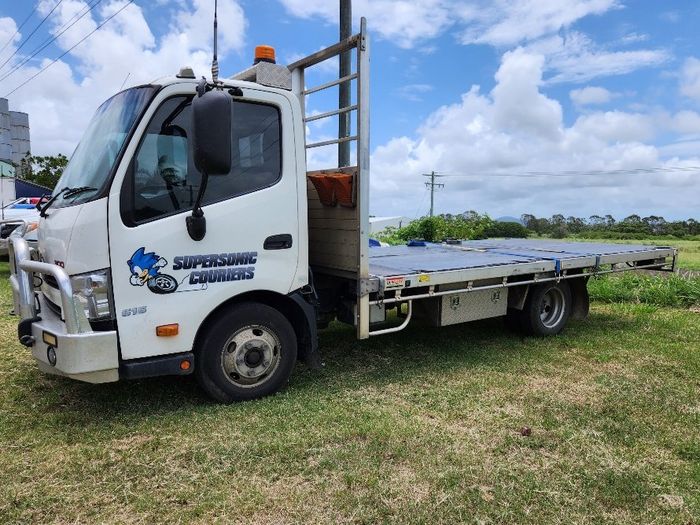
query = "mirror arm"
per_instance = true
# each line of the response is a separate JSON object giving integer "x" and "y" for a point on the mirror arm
{"x": 196, "y": 222}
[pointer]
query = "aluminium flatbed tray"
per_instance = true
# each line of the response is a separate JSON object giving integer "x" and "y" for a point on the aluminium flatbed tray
{"x": 396, "y": 267}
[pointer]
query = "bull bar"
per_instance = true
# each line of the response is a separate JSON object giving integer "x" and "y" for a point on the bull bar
{"x": 22, "y": 268}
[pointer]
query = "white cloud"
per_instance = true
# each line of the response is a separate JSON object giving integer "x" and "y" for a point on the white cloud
{"x": 685, "y": 148}
{"x": 590, "y": 95}
{"x": 499, "y": 141}
{"x": 401, "y": 21}
{"x": 8, "y": 28}
{"x": 493, "y": 22}
{"x": 574, "y": 57}
{"x": 519, "y": 107}
{"x": 616, "y": 126}
{"x": 633, "y": 38}
{"x": 690, "y": 78}
{"x": 62, "y": 99}
{"x": 510, "y": 22}
{"x": 414, "y": 92}
{"x": 544, "y": 27}
{"x": 685, "y": 122}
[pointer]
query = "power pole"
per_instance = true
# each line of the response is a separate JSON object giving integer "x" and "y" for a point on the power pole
{"x": 344, "y": 125}
{"x": 432, "y": 185}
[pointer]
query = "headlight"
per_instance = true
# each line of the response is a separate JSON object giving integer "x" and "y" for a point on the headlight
{"x": 94, "y": 293}
{"x": 30, "y": 227}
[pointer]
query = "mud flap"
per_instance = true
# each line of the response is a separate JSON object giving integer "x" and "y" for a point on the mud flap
{"x": 308, "y": 350}
{"x": 580, "y": 298}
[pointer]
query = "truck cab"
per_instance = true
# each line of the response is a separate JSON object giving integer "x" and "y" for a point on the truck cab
{"x": 122, "y": 289}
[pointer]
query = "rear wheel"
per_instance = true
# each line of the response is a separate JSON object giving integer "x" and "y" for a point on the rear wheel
{"x": 547, "y": 309}
{"x": 247, "y": 352}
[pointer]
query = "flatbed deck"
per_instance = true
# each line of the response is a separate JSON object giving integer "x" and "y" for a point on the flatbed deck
{"x": 434, "y": 264}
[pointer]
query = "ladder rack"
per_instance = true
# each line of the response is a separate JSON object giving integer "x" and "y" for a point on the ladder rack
{"x": 339, "y": 237}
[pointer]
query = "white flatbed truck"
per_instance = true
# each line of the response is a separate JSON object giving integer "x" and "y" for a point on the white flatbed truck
{"x": 186, "y": 236}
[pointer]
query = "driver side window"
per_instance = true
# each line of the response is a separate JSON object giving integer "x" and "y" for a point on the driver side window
{"x": 163, "y": 178}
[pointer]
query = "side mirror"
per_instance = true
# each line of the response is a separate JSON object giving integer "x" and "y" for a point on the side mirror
{"x": 211, "y": 146}
{"x": 211, "y": 126}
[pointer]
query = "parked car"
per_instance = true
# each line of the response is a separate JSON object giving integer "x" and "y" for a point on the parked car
{"x": 19, "y": 216}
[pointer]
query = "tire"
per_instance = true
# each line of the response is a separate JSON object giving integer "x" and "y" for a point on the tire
{"x": 246, "y": 352}
{"x": 162, "y": 284}
{"x": 547, "y": 309}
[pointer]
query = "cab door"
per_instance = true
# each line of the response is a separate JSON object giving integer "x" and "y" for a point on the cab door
{"x": 159, "y": 274}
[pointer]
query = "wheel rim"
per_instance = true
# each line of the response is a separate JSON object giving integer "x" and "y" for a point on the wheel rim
{"x": 552, "y": 307}
{"x": 251, "y": 356}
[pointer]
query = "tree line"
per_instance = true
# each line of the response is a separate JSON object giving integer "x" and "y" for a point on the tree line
{"x": 473, "y": 225}
{"x": 602, "y": 227}
{"x": 467, "y": 225}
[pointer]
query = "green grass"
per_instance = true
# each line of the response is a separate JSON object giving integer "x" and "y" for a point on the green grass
{"x": 422, "y": 427}
{"x": 688, "y": 251}
{"x": 665, "y": 290}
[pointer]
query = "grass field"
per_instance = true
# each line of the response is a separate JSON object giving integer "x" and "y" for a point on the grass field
{"x": 688, "y": 251}
{"x": 637, "y": 287}
{"x": 422, "y": 427}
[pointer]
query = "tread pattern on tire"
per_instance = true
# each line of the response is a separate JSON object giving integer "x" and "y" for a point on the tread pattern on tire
{"x": 208, "y": 350}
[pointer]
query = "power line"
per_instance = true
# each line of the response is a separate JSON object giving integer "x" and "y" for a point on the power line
{"x": 432, "y": 185}
{"x": 31, "y": 34}
{"x": 71, "y": 49}
{"x": 576, "y": 173}
{"x": 18, "y": 29}
{"x": 46, "y": 43}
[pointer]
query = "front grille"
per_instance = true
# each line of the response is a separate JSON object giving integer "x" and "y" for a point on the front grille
{"x": 7, "y": 229}
{"x": 53, "y": 306}
{"x": 50, "y": 280}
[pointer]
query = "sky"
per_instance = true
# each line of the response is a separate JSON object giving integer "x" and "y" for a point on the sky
{"x": 577, "y": 107}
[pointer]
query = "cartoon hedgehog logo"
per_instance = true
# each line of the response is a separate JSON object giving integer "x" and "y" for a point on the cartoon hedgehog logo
{"x": 145, "y": 269}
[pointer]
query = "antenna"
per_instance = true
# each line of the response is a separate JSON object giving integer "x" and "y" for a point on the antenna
{"x": 215, "y": 62}
{"x": 127, "y": 78}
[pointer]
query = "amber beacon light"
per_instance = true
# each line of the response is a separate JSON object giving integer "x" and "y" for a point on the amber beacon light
{"x": 265, "y": 54}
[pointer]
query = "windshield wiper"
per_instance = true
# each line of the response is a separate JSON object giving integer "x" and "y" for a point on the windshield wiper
{"x": 66, "y": 192}
{"x": 42, "y": 209}
{"x": 70, "y": 192}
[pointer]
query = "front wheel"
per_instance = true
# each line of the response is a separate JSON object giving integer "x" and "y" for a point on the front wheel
{"x": 247, "y": 352}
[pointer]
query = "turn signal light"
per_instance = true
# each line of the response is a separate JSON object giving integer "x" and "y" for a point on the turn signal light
{"x": 264, "y": 54}
{"x": 167, "y": 330}
{"x": 185, "y": 364}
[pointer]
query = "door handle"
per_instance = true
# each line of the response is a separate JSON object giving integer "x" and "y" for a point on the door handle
{"x": 282, "y": 241}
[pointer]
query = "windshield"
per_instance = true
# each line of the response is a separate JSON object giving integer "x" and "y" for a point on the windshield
{"x": 93, "y": 160}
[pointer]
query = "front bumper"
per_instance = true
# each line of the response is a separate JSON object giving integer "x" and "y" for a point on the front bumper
{"x": 80, "y": 353}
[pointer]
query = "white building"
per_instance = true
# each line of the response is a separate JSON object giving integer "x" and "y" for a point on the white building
{"x": 378, "y": 224}
{"x": 14, "y": 134}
